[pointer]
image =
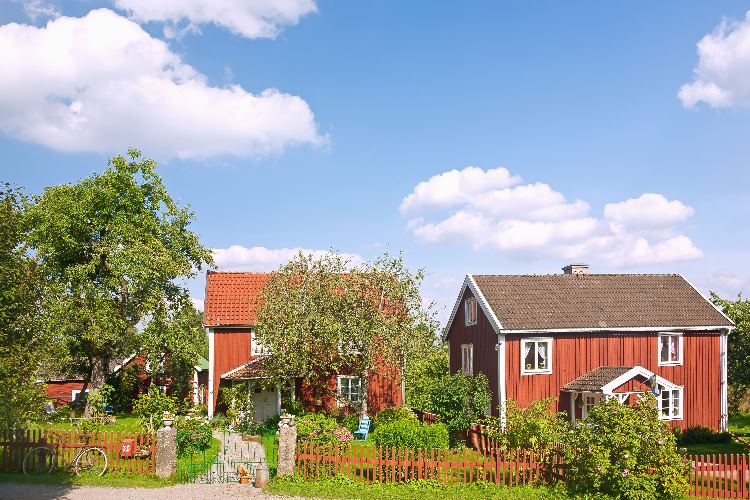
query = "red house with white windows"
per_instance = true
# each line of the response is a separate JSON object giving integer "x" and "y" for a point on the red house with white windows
{"x": 584, "y": 337}
{"x": 229, "y": 317}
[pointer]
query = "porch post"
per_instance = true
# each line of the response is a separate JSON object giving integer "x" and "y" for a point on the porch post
{"x": 572, "y": 405}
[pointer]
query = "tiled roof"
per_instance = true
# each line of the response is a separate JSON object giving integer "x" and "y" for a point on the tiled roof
{"x": 232, "y": 298}
{"x": 597, "y": 378}
{"x": 563, "y": 301}
{"x": 252, "y": 369}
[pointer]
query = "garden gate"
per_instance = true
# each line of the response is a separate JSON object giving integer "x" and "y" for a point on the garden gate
{"x": 222, "y": 461}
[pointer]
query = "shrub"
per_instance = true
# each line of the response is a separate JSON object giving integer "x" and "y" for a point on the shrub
{"x": 219, "y": 421}
{"x": 411, "y": 434}
{"x": 240, "y": 406}
{"x": 193, "y": 434}
{"x": 152, "y": 406}
{"x": 424, "y": 373}
{"x": 351, "y": 422}
{"x": 700, "y": 435}
{"x": 625, "y": 452}
{"x": 391, "y": 415}
{"x": 460, "y": 400}
{"x": 533, "y": 427}
{"x": 97, "y": 399}
{"x": 321, "y": 428}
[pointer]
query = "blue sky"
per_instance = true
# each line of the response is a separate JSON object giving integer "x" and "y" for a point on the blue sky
{"x": 625, "y": 142}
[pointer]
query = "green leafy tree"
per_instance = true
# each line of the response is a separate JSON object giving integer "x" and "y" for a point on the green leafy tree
{"x": 115, "y": 249}
{"x": 624, "y": 451}
{"x": 24, "y": 344}
{"x": 321, "y": 316}
{"x": 425, "y": 370}
{"x": 738, "y": 356}
{"x": 460, "y": 400}
{"x": 533, "y": 428}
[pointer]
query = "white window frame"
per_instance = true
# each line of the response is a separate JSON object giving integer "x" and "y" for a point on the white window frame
{"x": 76, "y": 392}
{"x": 680, "y": 394}
{"x": 343, "y": 396}
{"x": 467, "y": 370}
{"x": 680, "y": 349}
{"x": 548, "y": 364}
{"x": 256, "y": 348}
{"x": 467, "y": 320}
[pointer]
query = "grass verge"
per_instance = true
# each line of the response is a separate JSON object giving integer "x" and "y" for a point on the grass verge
{"x": 345, "y": 488}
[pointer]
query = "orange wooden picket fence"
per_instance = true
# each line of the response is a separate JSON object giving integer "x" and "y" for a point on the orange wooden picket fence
{"x": 719, "y": 476}
{"x": 396, "y": 465}
{"x": 15, "y": 445}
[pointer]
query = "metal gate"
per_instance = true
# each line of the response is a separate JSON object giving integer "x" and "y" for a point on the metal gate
{"x": 222, "y": 465}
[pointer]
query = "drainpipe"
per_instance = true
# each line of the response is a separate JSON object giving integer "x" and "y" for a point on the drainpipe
{"x": 724, "y": 423}
{"x": 501, "y": 394}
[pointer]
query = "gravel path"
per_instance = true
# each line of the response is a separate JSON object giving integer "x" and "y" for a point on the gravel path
{"x": 13, "y": 491}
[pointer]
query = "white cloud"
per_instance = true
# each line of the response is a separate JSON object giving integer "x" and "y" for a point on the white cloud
{"x": 722, "y": 77}
{"x": 535, "y": 221}
{"x": 197, "y": 303}
{"x": 101, "y": 83}
{"x": 262, "y": 259}
{"x": 248, "y": 18}
{"x": 727, "y": 284}
{"x": 650, "y": 210}
{"x": 36, "y": 9}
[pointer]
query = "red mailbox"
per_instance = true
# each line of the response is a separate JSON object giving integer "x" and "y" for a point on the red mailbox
{"x": 128, "y": 448}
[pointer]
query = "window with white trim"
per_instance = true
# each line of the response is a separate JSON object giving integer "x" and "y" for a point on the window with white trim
{"x": 670, "y": 404}
{"x": 467, "y": 359}
{"x": 670, "y": 349}
{"x": 350, "y": 389}
{"x": 256, "y": 348}
{"x": 74, "y": 394}
{"x": 589, "y": 401}
{"x": 536, "y": 356}
{"x": 470, "y": 311}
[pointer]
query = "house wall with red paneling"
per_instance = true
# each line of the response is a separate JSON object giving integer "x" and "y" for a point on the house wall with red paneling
{"x": 383, "y": 391}
{"x": 60, "y": 392}
{"x": 483, "y": 338}
{"x": 574, "y": 355}
{"x": 231, "y": 350}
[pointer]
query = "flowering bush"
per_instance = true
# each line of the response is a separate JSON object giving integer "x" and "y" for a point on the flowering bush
{"x": 625, "y": 452}
{"x": 152, "y": 406}
{"x": 193, "y": 434}
{"x": 533, "y": 427}
{"x": 321, "y": 428}
{"x": 391, "y": 415}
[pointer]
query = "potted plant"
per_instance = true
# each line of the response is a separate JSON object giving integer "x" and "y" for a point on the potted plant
{"x": 244, "y": 474}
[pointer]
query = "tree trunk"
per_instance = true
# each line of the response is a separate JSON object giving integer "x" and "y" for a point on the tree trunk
{"x": 99, "y": 373}
{"x": 365, "y": 390}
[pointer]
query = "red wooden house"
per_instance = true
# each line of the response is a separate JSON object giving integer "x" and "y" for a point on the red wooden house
{"x": 583, "y": 337}
{"x": 229, "y": 317}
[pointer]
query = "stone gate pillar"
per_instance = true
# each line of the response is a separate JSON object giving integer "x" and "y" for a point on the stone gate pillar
{"x": 166, "y": 451}
{"x": 287, "y": 445}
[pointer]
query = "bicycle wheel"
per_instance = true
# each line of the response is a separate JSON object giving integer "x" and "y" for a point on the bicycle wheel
{"x": 40, "y": 460}
{"x": 91, "y": 461}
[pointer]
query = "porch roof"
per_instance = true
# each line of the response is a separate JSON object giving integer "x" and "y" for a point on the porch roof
{"x": 255, "y": 368}
{"x": 596, "y": 379}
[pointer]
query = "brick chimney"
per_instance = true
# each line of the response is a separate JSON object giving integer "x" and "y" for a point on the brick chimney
{"x": 576, "y": 269}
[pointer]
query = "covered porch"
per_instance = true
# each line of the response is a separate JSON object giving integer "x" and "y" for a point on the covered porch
{"x": 626, "y": 383}
{"x": 268, "y": 396}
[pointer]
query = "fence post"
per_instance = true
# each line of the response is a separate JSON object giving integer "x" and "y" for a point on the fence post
{"x": 287, "y": 446}
{"x": 166, "y": 451}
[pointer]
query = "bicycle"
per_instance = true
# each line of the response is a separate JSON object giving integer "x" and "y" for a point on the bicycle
{"x": 43, "y": 459}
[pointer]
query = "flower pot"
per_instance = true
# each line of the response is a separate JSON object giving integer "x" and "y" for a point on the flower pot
{"x": 244, "y": 479}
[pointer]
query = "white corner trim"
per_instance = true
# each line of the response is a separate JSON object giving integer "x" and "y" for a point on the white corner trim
{"x": 211, "y": 367}
{"x": 481, "y": 300}
{"x": 633, "y": 372}
{"x": 707, "y": 300}
{"x": 501, "y": 389}
{"x": 724, "y": 422}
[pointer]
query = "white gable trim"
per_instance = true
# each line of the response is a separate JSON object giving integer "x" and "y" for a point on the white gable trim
{"x": 634, "y": 372}
{"x": 481, "y": 300}
{"x": 244, "y": 365}
{"x": 707, "y": 300}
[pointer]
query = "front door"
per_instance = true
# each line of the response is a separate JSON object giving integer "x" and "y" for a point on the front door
{"x": 266, "y": 402}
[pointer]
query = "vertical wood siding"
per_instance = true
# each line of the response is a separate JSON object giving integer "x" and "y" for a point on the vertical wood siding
{"x": 231, "y": 349}
{"x": 575, "y": 355}
{"x": 484, "y": 339}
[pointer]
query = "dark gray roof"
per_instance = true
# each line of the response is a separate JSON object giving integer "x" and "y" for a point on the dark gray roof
{"x": 597, "y": 378}
{"x": 563, "y": 301}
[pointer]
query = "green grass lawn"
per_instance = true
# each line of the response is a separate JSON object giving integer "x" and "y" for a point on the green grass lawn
{"x": 190, "y": 465}
{"x": 344, "y": 488}
{"x": 114, "y": 480}
{"x": 125, "y": 422}
{"x": 717, "y": 448}
{"x": 740, "y": 424}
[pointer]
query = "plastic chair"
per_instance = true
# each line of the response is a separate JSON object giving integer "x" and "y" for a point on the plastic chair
{"x": 364, "y": 428}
